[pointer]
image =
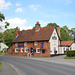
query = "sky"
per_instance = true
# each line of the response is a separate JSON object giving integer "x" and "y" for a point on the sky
{"x": 25, "y": 13}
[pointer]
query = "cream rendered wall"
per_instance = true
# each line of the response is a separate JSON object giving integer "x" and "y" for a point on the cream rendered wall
{"x": 57, "y": 42}
{"x": 62, "y": 50}
{"x": 73, "y": 46}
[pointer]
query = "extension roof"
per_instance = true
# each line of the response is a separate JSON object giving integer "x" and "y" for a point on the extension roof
{"x": 43, "y": 34}
{"x": 66, "y": 43}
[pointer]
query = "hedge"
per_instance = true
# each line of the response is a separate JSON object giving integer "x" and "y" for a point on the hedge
{"x": 70, "y": 53}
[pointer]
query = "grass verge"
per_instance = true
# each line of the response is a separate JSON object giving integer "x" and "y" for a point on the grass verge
{"x": 1, "y": 53}
{"x": 0, "y": 66}
{"x": 69, "y": 57}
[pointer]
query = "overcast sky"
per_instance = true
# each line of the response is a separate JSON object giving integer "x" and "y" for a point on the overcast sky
{"x": 25, "y": 13}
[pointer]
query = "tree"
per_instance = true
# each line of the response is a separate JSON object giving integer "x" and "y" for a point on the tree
{"x": 52, "y": 24}
{"x": 1, "y": 35}
{"x": 64, "y": 35}
{"x": 2, "y": 18}
{"x": 9, "y": 36}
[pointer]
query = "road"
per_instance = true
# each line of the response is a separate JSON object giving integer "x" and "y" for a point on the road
{"x": 26, "y": 66}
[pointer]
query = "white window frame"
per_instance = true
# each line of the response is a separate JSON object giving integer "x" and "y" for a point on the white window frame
{"x": 26, "y": 50}
{"x": 16, "y": 44}
{"x": 21, "y": 50}
{"x": 36, "y": 43}
{"x": 25, "y": 43}
{"x": 54, "y": 42}
{"x": 15, "y": 50}
{"x": 37, "y": 50}
{"x": 55, "y": 49}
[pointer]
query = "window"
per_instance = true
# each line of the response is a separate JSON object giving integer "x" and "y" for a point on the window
{"x": 38, "y": 50}
{"x": 26, "y": 50}
{"x": 35, "y": 43}
{"x": 54, "y": 48}
{"x": 70, "y": 48}
{"x": 41, "y": 45}
{"x": 25, "y": 43}
{"x": 16, "y": 50}
{"x": 54, "y": 42}
{"x": 54, "y": 38}
{"x": 43, "y": 50}
{"x": 21, "y": 50}
{"x": 64, "y": 48}
{"x": 16, "y": 44}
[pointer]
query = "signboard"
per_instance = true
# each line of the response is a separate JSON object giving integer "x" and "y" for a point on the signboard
{"x": 20, "y": 46}
{"x": 50, "y": 51}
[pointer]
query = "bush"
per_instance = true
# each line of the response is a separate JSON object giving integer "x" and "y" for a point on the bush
{"x": 70, "y": 53}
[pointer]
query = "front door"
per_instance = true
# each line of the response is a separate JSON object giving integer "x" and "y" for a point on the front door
{"x": 31, "y": 51}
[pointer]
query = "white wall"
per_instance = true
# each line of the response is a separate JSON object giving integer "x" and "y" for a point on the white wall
{"x": 54, "y": 43}
{"x": 73, "y": 46}
{"x": 62, "y": 49}
{"x": 2, "y": 46}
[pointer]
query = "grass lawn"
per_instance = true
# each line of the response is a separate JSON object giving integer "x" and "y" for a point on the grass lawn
{"x": 69, "y": 57}
{"x": 1, "y": 53}
{"x": 0, "y": 66}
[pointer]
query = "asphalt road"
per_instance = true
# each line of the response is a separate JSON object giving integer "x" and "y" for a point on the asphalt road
{"x": 27, "y": 66}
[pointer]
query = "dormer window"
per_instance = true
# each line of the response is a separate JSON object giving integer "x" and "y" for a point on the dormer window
{"x": 54, "y": 38}
{"x": 25, "y": 43}
{"x": 35, "y": 43}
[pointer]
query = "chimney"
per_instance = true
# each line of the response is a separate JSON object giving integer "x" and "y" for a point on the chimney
{"x": 58, "y": 30}
{"x": 16, "y": 31}
{"x": 37, "y": 27}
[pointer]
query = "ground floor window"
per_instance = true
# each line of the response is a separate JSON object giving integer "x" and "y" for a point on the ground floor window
{"x": 43, "y": 50}
{"x": 16, "y": 50}
{"x": 26, "y": 50}
{"x": 38, "y": 50}
{"x": 21, "y": 50}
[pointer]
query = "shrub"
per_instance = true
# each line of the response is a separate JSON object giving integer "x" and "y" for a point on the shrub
{"x": 70, "y": 53}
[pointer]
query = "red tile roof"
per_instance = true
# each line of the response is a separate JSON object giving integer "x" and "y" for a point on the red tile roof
{"x": 30, "y": 35}
{"x": 66, "y": 43}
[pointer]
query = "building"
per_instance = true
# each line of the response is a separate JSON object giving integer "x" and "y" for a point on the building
{"x": 41, "y": 42}
{"x": 66, "y": 45}
{"x": 3, "y": 46}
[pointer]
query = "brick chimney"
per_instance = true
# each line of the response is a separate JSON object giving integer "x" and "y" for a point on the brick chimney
{"x": 16, "y": 31}
{"x": 37, "y": 27}
{"x": 58, "y": 30}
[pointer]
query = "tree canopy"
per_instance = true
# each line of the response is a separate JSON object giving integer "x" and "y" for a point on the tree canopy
{"x": 52, "y": 24}
{"x": 2, "y": 18}
{"x": 9, "y": 36}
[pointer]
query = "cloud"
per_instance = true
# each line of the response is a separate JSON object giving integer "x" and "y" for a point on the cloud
{"x": 18, "y": 22}
{"x": 4, "y": 5}
{"x": 19, "y": 10}
{"x": 18, "y": 4}
{"x": 34, "y": 7}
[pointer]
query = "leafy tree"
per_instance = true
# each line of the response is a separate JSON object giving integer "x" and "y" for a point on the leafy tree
{"x": 52, "y": 24}
{"x": 1, "y": 35}
{"x": 2, "y": 18}
{"x": 64, "y": 35}
{"x": 9, "y": 36}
